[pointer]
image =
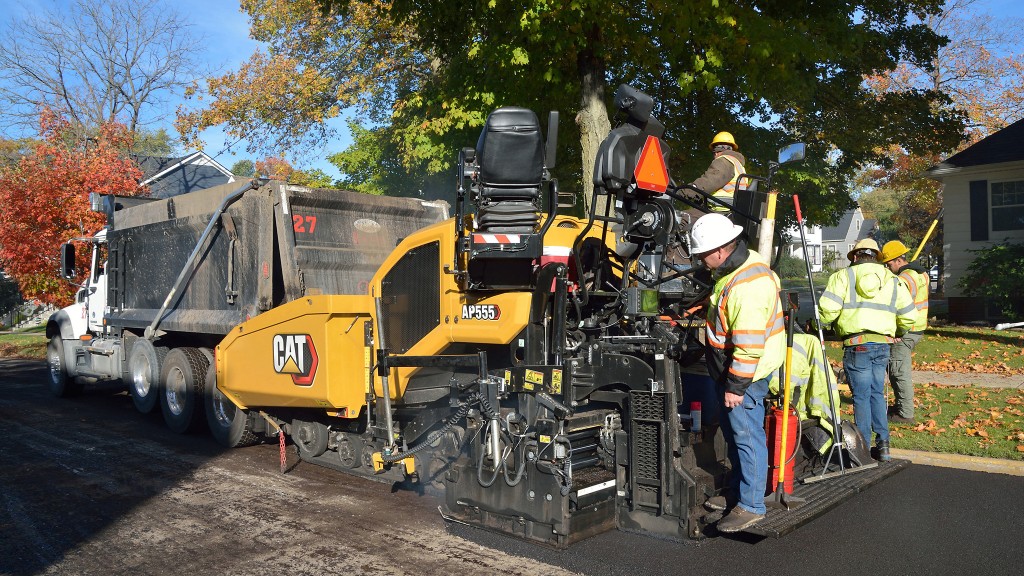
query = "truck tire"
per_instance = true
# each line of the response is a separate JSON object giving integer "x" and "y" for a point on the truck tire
{"x": 230, "y": 425}
{"x": 310, "y": 438}
{"x": 60, "y": 383}
{"x": 181, "y": 397}
{"x": 144, "y": 364}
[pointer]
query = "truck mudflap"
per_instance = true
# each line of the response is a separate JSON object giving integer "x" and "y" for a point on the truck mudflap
{"x": 820, "y": 496}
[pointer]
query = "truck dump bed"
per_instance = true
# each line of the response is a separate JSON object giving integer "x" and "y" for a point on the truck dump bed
{"x": 273, "y": 244}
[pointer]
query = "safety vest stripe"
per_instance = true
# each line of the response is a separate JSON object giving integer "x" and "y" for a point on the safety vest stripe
{"x": 743, "y": 368}
{"x": 730, "y": 186}
{"x": 851, "y": 282}
{"x": 832, "y": 297}
{"x": 871, "y": 306}
{"x": 908, "y": 278}
{"x": 906, "y": 309}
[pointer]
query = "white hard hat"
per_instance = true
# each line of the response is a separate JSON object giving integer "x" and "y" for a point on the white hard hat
{"x": 712, "y": 231}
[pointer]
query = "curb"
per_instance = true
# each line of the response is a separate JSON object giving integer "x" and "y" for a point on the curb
{"x": 974, "y": 463}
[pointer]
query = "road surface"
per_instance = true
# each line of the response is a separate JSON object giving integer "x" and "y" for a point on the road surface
{"x": 89, "y": 486}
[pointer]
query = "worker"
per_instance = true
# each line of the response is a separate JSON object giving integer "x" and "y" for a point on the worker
{"x": 915, "y": 278}
{"x": 869, "y": 308}
{"x": 722, "y": 178}
{"x": 811, "y": 385}
{"x": 746, "y": 345}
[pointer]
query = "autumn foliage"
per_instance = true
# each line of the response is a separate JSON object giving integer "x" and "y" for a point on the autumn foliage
{"x": 45, "y": 200}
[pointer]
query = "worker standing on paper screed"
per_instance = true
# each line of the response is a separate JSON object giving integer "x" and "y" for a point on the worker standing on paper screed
{"x": 746, "y": 346}
{"x": 915, "y": 278}
{"x": 869, "y": 308}
{"x": 722, "y": 178}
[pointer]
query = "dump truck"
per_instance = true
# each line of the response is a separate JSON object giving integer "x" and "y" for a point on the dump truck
{"x": 535, "y": 368}
{"x": 168, "y": 279}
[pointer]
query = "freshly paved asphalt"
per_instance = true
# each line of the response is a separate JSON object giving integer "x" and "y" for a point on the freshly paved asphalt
{"x": 924, "y": 520}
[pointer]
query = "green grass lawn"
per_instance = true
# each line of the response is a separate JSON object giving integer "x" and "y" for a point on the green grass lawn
{"x": 962, "y": 349}
{"x": 30, "y": 343}
{"x": 966, "y": 420}
{"x": 960, "y": 420}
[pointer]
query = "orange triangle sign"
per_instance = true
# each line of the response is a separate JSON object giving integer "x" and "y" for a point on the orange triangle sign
{"x": 650, "y": 172}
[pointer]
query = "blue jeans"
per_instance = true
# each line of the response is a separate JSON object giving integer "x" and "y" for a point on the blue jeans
{"x": 865, "y": 366}
{"x": 743, "y": 428}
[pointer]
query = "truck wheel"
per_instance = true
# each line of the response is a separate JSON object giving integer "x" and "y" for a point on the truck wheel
{"x": 61, "y": 384}
{"x": 181, "y": 398}
{"x": 144, "y": 364}
{"x": 310, "y": 438}
{"x": 230, "y": 425}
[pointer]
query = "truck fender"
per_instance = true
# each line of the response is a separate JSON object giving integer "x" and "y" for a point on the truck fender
{"x": 60, "y": 323}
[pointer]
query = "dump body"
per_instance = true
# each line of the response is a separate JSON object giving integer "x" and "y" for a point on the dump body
{"x": 272, "y": 245}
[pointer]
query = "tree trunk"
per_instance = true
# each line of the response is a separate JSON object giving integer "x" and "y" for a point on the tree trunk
{"x": 592, "y": 118}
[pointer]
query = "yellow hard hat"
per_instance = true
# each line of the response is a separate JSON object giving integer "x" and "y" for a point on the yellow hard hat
{"x": 893, "y": 249}
{"x": 865, "y": 244}
{"x": 724, "y": 138}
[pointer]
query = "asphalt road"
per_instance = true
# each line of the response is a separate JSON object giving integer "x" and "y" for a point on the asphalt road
{"x": 89, "y": 486}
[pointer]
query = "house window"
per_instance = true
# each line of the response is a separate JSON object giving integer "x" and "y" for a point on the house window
{"x": 1007, "y": 206}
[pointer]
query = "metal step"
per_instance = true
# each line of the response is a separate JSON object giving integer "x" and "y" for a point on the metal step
{"x": 822, "y": 496}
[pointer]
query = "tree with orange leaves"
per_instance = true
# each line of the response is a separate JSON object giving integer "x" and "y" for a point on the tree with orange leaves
{"x": 45, "y": 199}
{"x": 982, "y": 77}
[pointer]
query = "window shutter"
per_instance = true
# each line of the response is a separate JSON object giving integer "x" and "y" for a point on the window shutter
{"x": 979, "y": 210}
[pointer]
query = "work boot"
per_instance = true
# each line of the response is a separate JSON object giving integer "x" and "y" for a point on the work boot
{"x": 883, "y": 451}
{"x": 738, "y": 519}
{"x": 719, "y": 503}
{"x": 897, "y": 419}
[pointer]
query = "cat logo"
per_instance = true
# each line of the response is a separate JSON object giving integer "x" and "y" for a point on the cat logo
{"x": 295, "y": 354}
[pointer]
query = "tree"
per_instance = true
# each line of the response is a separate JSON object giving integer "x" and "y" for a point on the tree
{"x": 97, "y": 61}
{"x": 997, "y": 276}
{"x": 46, "y": 200}
{"x": 427, "y": 73}
{"x": 982, "y": 76}
{"x": 10, "y": 296}
{"x": 244, "y": 168}
{"x": 154, "y": 143}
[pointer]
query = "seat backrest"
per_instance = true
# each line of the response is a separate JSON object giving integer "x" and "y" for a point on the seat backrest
{"x": 510, "y": 150}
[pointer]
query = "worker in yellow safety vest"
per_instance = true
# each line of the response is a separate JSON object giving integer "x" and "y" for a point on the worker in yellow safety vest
{"x": 869, "y": 308}
{"x": 810, "y": 385}
{"x": 722, "y": 178}
{"x": 915, "y": 278}
{"x": 746, "y": 345}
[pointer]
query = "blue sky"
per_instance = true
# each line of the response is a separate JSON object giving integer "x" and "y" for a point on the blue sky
{"x": 226, "y": 30}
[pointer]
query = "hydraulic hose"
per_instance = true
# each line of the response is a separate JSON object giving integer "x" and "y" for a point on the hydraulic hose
{"x": 431, "y": 438}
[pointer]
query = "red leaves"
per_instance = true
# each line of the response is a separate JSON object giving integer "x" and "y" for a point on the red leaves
{"x": 46, "y": 199}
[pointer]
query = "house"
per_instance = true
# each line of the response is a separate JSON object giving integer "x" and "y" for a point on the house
{"x": 838, "y": 240}
{"x": 983, "y": 204}
{"x": 167, "y": 177}
{"x": 794, "y": 247}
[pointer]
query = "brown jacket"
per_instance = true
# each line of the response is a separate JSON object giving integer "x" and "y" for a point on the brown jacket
{"x": 719, "y": 173}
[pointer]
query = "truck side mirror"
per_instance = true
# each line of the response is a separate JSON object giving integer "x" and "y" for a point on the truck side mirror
{"x": 792, "y": 153}
{"x": 67, "y": 261}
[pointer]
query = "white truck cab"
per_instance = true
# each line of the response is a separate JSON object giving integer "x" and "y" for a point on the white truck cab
{"x": 80, "y": 345}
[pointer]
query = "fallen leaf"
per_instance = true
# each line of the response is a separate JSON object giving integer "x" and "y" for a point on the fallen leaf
{"x": 1020, "y": 448}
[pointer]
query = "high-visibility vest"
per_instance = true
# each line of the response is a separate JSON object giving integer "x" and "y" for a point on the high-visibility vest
{"x": 745, "y": 319}
{"x": 867, "y": 303}
{"x": 918, "y": 284}
{"x": 725, "y": 193}
{"x": 810, "y": 385}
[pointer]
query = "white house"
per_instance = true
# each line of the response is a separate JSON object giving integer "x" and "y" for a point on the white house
{"x": 812, "y": 234}
{"x": 983, "y": 204}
